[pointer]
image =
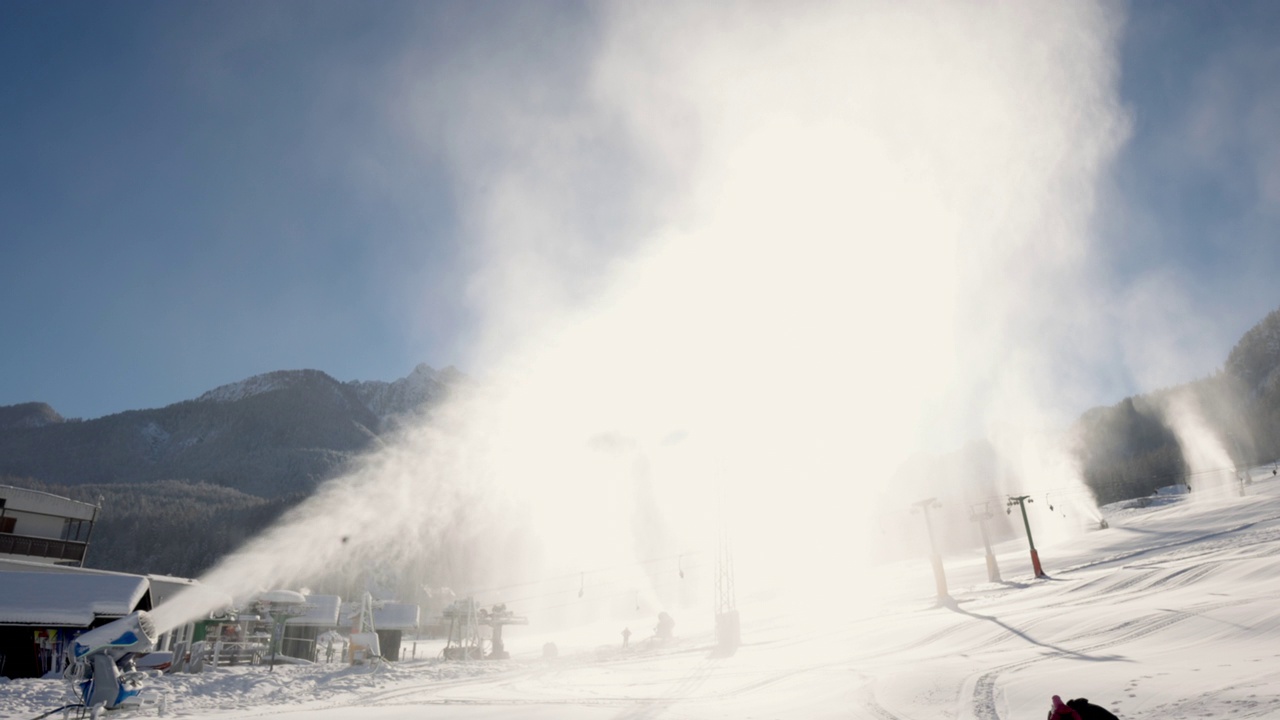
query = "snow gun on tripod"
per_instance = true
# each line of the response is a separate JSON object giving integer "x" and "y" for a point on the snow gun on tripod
{"x": 100, "y": 667}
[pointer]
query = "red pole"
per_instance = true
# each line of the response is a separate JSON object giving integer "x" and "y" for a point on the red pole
{"x": 1022, "y": 501}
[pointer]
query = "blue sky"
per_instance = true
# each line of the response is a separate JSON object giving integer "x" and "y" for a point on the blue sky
{"x": 192, "y": 193}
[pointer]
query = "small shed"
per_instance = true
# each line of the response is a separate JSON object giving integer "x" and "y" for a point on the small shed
{"x": 163, "y": 588}
{"x": 302, "y": 631}
{"x": 390, "y": 619}
{"x": 40, "y": 612}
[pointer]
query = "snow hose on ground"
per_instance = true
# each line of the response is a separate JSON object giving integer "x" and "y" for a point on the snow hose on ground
{"x": 58, "y": 710}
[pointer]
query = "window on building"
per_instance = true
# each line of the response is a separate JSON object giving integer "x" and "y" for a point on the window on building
{"x": 75, "y": 530}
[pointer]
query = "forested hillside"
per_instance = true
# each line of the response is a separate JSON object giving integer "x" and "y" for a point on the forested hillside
{"x": 272, "y": 435}
{"x": 182, "y": 485}
{"x": 1128, "y": 449}
{"x": 168, "y": 527}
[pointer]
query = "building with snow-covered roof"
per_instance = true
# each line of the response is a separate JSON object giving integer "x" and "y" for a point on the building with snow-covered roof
{"x": 161, "y": 588}
{"x": 395, "y": 616}
{"x": 319, "y": 611}
{"x": 44, "y": 527}
{"x": 72, "y": 600}
{"x": 51, "y": 608}
{"x": 390, "y": 619}
{"x": 319, "y": 615}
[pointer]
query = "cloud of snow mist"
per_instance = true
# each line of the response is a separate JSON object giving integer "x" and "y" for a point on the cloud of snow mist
{"x": 1164, "y": 338}
{"x": 1210, "y": 468}
{"x": 1202, "y": 277}
{"x": 735, "y": 271}
{"x": 872, "y": 235}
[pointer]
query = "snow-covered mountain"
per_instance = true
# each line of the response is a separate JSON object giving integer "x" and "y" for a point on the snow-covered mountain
{"x": 275, "y": 434}
{"x": 406, "y": 396}
{"x": 257, "y": 385}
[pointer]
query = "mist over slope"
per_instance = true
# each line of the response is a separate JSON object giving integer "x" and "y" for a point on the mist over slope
{"x": 1168, "y": 614}
{"x": 239, "y": 455}
{"x": 1131, "y": 448}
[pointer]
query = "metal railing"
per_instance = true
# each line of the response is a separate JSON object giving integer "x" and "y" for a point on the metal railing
{"x": 68, "y": 550}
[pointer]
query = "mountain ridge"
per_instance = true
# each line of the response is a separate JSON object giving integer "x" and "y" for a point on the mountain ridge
{"x": 269, "y": 435}
{"x": 30, "y": 414}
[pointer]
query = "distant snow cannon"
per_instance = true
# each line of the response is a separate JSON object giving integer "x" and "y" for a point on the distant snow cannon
{"x": 666, "y": 627}
{"x": 464, "y": 640}
{"x": 496, "y": 619}
{"x": 100, "y": 665}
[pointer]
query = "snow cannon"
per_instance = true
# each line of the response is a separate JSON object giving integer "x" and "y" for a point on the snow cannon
{"x": 131, "y": 634}
{"x": 100, "y": 666}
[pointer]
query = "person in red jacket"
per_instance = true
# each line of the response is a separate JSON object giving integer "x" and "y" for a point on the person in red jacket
{"x": 1060, "y": 711}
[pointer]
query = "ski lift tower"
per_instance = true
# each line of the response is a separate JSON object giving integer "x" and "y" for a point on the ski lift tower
{"x": 935, "y": 557}
{"x": 981, "y": 513}
{"x": 365, "y": 647}
{"x": 496, "y": 618}
{"x": 464, "y": 641}
{"x": 279, "y": 606}
{"x": 728, "y": 625}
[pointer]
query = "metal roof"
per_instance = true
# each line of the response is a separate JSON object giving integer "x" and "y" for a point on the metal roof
{"x": 386, "y": 615}
{"x": 34, "y": 501}
{"x": 321, "y": 611}
{"x": 54, "y": 599}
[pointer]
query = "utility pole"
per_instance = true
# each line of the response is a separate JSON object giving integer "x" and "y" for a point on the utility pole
{"x": 981, "y": 517}
{"x": 1021, "y": 501}
{"x": 728, "y": 624}
{"x": 939, "y": 574}
{"x": 728, "y": 629}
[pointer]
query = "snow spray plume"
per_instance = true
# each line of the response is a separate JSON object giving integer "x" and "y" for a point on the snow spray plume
{"x": 876, "y": 238}
{"x": 1165, "y": 345}
{"x": 388, "y": 513}
{"x": 1209, "y": 465}
{"x": 769, "y": 250}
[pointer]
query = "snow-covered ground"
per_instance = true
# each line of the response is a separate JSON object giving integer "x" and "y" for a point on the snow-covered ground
{"x": 1170, "y": 613}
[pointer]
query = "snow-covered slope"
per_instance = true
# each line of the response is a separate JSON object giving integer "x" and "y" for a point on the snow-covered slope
{"x": 1169, "y": 614}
